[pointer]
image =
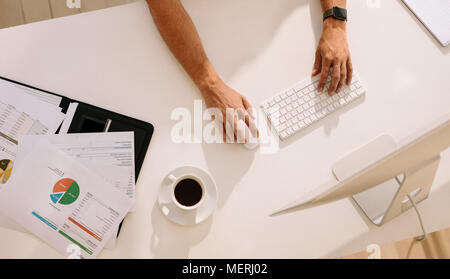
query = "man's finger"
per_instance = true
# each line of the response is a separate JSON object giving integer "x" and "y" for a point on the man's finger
{"x": 349, "y": 71}
{"x": 229, "y": 132}
{"x": 326, "y": 64}
{"x": 229, "y": 126}
{"x": 244, "y": 119}
{"x": 343, "y": 77}
{"x": 251, "y": 124}
{"x": 335, "y": 77}
{"x": 239, "y": 130}
{"x": 248, "y": 106}
{"x": 317, "y": 64}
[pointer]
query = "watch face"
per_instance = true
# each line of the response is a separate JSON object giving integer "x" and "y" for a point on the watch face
{"x": 340, "y": 13}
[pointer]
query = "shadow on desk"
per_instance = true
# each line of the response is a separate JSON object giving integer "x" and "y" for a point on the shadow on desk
{"x": 329, "y": 123}
{"x": 227, "y": 164}
{"x": 231, "y": 22}
{"x": 170, "y": 240}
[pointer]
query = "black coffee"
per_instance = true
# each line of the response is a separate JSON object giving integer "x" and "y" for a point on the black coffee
{"x": 188, "y": 192}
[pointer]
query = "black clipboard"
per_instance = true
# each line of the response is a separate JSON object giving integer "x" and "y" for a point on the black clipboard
{"x": 92, "y": 119}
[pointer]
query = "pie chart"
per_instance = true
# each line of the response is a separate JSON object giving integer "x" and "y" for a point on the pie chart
{"x": 5, "y": 170}
{"x": 65, "y": 191}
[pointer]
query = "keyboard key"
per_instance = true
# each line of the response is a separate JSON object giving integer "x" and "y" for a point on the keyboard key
{"x": 301, "y": 124}
{"x": 297, "y": 88}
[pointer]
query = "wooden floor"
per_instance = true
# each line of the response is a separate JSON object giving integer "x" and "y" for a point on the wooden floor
{"x": 435, "y": 246}
{"x": 16, "y": 12}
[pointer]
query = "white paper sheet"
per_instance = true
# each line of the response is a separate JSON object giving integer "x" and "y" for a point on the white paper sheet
{"x": 63, "y": 202}
{"x": 70, "y": 113}
{"x": 435, "y": 15}
{"x": 14, "y": 123}
{"x": 47, "y": 114}
{"x": 111, "y": 155}
{"x": 40, "y": 95}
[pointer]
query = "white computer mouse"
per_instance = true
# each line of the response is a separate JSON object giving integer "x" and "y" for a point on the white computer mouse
{"x": 244, "y": 132}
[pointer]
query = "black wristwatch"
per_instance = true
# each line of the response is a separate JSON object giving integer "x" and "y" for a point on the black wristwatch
{"x": 337, "y": 13}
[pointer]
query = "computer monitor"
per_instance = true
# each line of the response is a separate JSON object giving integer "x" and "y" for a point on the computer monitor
{"x": 382, "y": 174}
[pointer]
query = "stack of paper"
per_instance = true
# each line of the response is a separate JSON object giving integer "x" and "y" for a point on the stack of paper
{"x": 23, "y": 112}
{"x": 71, "y": 190}
{"x": 62, "y": 201}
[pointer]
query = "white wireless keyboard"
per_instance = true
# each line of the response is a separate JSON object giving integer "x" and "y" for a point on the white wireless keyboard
{"x": 302, "y": 105}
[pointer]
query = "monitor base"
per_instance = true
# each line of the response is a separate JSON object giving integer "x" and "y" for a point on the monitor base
{"x": 390, "y": 199}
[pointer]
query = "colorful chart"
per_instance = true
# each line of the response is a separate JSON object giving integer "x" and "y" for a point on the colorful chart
{"x": 65, "y": 191}
{"x": 5, "y": 170}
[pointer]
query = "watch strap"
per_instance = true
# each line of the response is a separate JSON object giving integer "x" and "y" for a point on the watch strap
{"x": 336, "y": 12}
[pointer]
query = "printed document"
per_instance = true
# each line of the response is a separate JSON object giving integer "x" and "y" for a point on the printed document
{"x": 63, "y": 202}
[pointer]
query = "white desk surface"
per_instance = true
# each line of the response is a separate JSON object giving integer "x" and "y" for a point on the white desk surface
{"x": 115, "y": 58}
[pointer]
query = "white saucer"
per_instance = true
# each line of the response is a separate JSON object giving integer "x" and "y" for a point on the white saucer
{"x": 193, "y": 217}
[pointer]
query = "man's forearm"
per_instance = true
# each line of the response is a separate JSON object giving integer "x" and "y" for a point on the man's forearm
{"x": 180, "y": 35}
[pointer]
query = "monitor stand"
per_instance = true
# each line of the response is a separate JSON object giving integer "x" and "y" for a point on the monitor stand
{"x": 388, "y": 200}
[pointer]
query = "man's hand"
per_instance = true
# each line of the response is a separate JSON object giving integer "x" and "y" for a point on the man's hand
{"x": 219, "y": 96}
{"x": 333, "y": 55}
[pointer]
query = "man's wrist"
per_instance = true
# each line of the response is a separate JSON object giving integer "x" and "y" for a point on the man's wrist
{"x": 207, "y": 79}
{"x": 333, "y": 23}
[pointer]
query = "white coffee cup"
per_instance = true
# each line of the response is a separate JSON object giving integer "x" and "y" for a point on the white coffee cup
{"x": 175, "y": 182}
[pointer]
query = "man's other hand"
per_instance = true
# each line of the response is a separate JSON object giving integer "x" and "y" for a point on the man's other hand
{"x": 333, "y": 55}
